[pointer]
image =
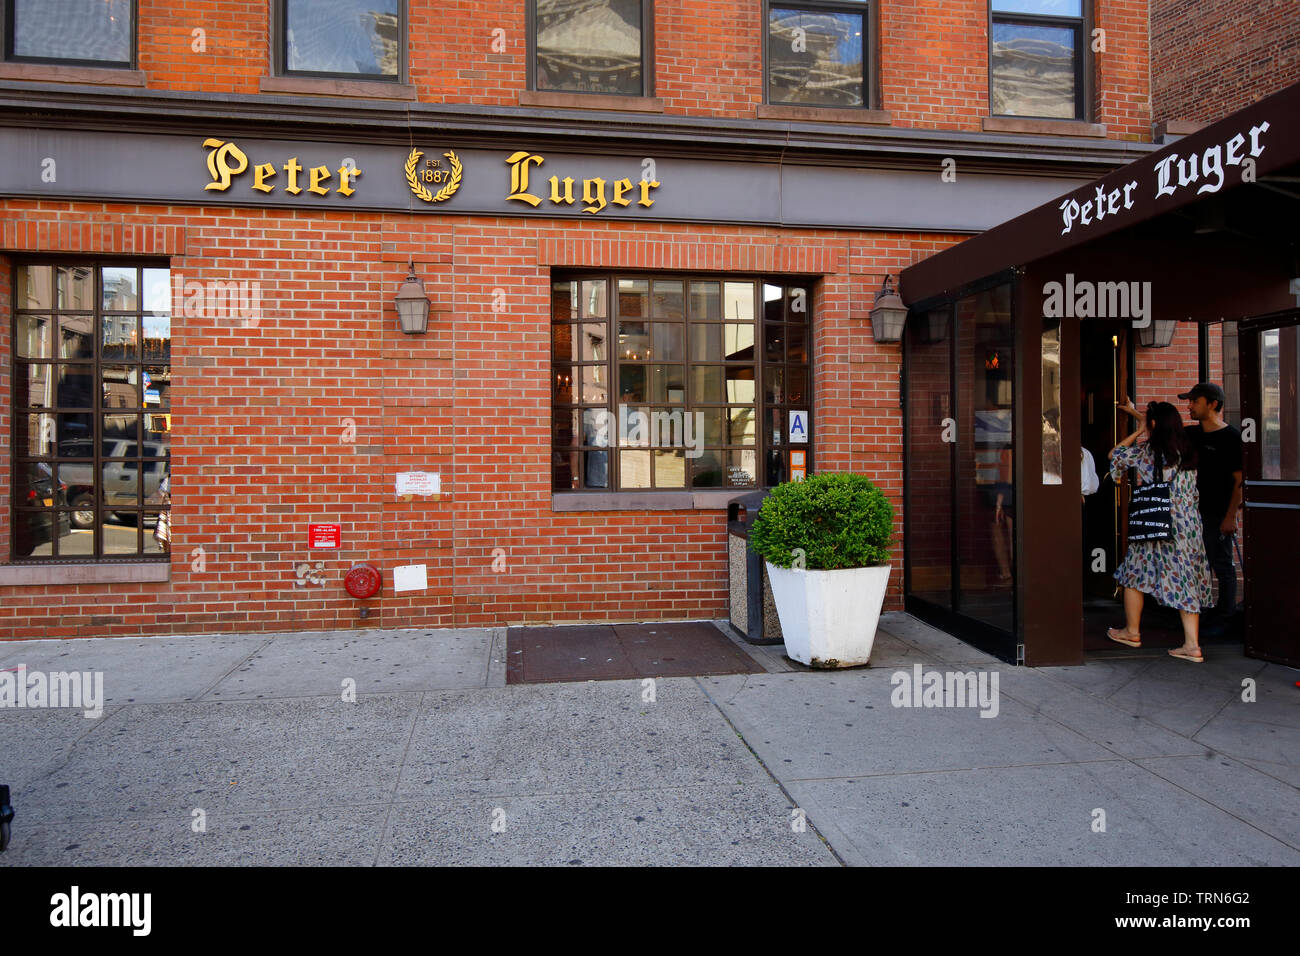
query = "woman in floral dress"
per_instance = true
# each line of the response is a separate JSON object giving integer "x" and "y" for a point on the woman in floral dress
{"x": 1174, "y": 571}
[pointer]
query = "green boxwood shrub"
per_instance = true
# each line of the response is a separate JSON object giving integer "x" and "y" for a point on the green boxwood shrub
{"x": 840, "y": 520}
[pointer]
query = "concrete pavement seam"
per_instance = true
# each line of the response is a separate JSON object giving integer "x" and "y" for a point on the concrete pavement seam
{"x": 1123, "y": 710}
{"x": 1206, "y": 723}
{"x": 72, "y": 744}
{"x": 1010, "y": 766}
{"x": 456, "y": 795}
{"x": 1135, "y": 761}
{"x": 397, "y": 782}
{"x": 780, "y": 786}
{"x": 1198, "y": 796}
{"x": 1137, "y": 673}
{"x": 248, "y": 657}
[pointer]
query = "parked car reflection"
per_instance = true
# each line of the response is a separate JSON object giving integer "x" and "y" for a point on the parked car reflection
{"x": 119, "y": 480}
{"x": 33, "y": 531}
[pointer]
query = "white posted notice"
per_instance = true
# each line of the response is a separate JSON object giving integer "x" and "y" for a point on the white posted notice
{"x": 419, "y": 483}
{"x": 410, "y": 577}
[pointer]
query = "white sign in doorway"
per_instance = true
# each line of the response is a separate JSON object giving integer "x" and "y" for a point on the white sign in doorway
{"x": 799, "y": 426}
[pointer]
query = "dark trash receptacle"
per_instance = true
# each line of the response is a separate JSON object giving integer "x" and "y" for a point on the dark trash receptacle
{"x": 753, "y": 614}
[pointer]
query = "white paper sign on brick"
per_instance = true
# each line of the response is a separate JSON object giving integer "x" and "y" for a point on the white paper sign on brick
{"x": 410, "y": 577}
{"x": 419, "y": 483}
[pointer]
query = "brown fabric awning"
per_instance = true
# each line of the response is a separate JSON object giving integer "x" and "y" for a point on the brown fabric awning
{"x": 1256, "y": 149}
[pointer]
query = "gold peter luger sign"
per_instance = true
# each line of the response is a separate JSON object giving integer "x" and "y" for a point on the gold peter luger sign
{"x": 430, "y": 181}
{"x": 593, "y": 189}
{"x": 226, "y": 161}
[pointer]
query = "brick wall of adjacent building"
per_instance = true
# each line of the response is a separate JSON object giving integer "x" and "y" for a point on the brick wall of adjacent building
{"x": 307, "y": 413}
{"x": 708, "y": 60}
{"x": 1210, "y": 58}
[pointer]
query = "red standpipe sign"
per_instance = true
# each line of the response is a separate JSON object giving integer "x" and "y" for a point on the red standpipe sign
{"x": 324, "y": 535}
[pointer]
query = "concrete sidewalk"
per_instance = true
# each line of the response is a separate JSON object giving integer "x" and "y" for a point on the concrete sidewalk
{"x": 437, "y": 761}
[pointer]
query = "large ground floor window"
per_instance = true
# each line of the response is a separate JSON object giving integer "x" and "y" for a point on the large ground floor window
{"x": 91, "y": 410}
{"x": 674, "y": 382}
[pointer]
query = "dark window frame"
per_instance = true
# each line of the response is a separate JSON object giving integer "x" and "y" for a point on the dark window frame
{"x": 10, "y": 57}
{"x": 647, "y": 55}
{"x": 763, "y": 442}
{"x": 97, "y": 460}
{"x": 1083, "y": 26}
{"x": 280, "y": 49}
{"x": 870, "y": 10}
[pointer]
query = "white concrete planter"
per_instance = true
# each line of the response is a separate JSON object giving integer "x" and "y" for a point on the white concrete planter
{"x": 828, "y": 618}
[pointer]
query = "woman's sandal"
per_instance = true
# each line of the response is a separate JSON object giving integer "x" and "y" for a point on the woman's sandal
{"x": 1125, "y": 640}
{"x": 1197, "y": 658}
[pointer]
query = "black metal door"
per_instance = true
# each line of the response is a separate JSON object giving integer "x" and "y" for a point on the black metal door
{"x": 1270, "y": 399}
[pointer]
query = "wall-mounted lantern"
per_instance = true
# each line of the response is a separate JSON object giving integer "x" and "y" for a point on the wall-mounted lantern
{"x": 413, "y": 304}
{"x": 1157, "y": 334}
{"x": 888, "y": 314}
{"x": 933, "y": 327}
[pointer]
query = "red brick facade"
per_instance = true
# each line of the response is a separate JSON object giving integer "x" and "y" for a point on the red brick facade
{"x": 307, "y": 415}
{"x": 708, "y": 57}
{"x": 1211, "y": 57}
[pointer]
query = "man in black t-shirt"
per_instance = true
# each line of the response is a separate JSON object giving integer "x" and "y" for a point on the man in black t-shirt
{"x": 1218, "y": 480}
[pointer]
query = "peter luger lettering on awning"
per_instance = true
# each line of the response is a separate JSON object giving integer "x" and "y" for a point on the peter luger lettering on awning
{"x": 1209, "y": 168}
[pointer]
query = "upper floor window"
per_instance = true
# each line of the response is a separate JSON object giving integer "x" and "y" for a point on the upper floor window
{"x": 344, "y": 38}
{"x": 92, "y": 413}
{"x": 1036, "y": 57}
{"x": 816, "y": 53}
{"x": 592, "y": 46}
{"x": 80, "y": 32}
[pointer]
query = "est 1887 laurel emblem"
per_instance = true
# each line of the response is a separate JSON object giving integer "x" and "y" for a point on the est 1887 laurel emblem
{"x": 447, "y": 178}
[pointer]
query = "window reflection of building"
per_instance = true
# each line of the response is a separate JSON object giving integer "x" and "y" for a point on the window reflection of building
{"x": 589, "y": 46}
{"x": 1034, "y": 67}
{"x": 1032, "y": 76}
{"x": 815, "y": 58}
{"x": 343, "y": 36}
{"x": 119, "y": 292}
{"x": 95, "y": 30}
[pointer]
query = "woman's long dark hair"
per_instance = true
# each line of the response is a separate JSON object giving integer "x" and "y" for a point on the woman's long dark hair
{"x": 1167, "y": 436}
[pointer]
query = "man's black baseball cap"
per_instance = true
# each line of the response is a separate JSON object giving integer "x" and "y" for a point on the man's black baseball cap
{"x": 1206, "y": 390}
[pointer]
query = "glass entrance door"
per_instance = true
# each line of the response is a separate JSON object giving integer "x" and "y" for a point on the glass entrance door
{"x": 961, "y": 508}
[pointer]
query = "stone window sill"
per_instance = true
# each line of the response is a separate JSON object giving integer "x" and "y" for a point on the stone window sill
{"x": 324, "y": 86}
{"x": 824, "y": 114}
{"x": 559, "y": 100}
{"x": 1043, "y": 127}
{"x": 56, "y": 73}
{"x": 1167, "y": 131}
{"x": 18, "y": 575}
{"x": 711, "y": 500}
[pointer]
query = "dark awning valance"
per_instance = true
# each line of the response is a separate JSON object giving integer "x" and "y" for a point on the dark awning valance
{"x": 1255, "y": 150}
